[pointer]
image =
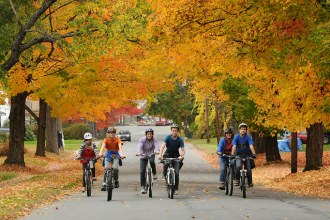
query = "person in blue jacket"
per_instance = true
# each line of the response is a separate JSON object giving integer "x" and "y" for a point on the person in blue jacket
{"x": 243, "y": 147}
{"x": 224, "y": 148}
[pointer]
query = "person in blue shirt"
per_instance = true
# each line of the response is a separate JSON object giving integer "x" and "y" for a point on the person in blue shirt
{"x": 243, "y": 147}
{"x": 224, "y": 148}
{"x": 173, "y": 144}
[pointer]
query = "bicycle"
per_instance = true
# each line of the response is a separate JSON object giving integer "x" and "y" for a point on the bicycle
{"x": 229, "y": 181}
{"x": 149, "y": 175}
{"x": 88, "y": 174}
{"x": 170, "y": 176}
{"x": 110, "y": 180}
{"x": 243, "y": 176}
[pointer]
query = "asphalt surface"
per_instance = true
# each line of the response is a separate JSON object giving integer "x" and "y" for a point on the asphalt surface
{"x": 199, "y": 196}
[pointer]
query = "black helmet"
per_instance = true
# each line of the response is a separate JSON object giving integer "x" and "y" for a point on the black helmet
{"x": 111, "y": 130}
{"x": 149, "y": 130}
{"x": 228, "y": 130}
{"x": 175, "y": 126}
{"x": 242, "y": 125}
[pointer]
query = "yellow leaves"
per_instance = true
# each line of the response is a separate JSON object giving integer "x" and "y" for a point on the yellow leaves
{"x": 18, "y": 80}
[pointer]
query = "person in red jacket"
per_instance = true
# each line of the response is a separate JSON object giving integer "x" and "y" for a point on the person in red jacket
{"x": 87, "y": 151}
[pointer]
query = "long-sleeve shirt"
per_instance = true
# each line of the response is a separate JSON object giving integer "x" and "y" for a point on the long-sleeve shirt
{"x": 86, "y": 153}
{"x": 147, "y": 147}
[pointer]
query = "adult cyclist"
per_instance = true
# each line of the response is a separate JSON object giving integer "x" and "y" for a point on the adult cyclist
{"x": 147, "y": 147}
{"x": 87, "y": 151}
{"x": 113, "y": 145}
{"x": 224, "y": 147}
{"x": 173, "y": 144}
{"x": 242, "y": 148}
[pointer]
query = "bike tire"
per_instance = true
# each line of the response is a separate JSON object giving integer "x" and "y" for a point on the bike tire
{"x": 109, "y": 185}
{"x": 149, "y": 184}
{"x": 172, "y": 181}
{"x": 243, "y": 185}
{"x": 87, "y": 181}
{"x": 231, "y": 182}
{"x": 226, "y": 183}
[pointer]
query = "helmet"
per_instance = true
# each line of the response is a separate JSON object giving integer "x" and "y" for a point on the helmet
{"x": 88, "y": 136}
{"x": 228, "y": 130}
{"x": 149, "y": 130}
{"x": 111, "y": 130}
{"x": 242, "y": 125}
{"x": 175, "y": 126}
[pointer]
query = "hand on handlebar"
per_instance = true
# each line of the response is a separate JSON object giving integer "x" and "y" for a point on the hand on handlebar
{"x": 254, "y": 156}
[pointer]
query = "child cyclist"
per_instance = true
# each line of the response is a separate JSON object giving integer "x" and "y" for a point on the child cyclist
{"x": 113, "y": 146}
{"x": 87, "y": 151}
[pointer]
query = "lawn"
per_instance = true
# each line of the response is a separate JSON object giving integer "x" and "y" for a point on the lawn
{"x": 212, "y": 146}
{"x": 68, "y": 144}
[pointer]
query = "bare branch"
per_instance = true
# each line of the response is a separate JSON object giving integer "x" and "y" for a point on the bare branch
{"x": 51, "y": 12}
{"x": 16, "y": 15}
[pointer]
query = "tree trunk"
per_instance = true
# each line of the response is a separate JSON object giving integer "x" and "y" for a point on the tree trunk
{"x": 294, "y": 153}
{"x": 314, "y": 147}
{"x": 41, "y": 136}
{"x": 259, "y": 143}
{"x": 271, "y": 149}
{"x": 17, "y": 130}
{"x": 217, "y": 121}
{"x": 207, "y": 122}
{"x": 51, "y": 133}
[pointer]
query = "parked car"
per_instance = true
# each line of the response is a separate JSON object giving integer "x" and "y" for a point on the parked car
{"x": 124, "y": 135}
{"x": 303, "y": 137}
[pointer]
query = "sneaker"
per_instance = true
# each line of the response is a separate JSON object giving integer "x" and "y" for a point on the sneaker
{"x": 103, "y": 187}
{"x": 83, "y": 189}
{"x": 236, "y": 183}
{"x": 117, "y": 184}
{"x": 143, "y": 190}
{"x": 250, "y": 185}
{"x": 176, "y": 192}
{"x": 222, "y": 186}
{"x": 155, "y": 176}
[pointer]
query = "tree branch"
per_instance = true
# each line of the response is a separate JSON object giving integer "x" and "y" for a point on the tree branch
{"x": 31, "y": 113}
{"x": 16, "y": 15}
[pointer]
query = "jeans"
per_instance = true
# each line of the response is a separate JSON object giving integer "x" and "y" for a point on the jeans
{"x": 177, "y": 166}
{"x": 84, "y": 166}
{"x": 223, "y": 162}
{"x": 247, "y": 166}
{"x": 115, "y": 166}
{"x": 143, "y": 165}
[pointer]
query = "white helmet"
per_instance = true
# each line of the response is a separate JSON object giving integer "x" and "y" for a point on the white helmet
{"x": 88, "y": 136}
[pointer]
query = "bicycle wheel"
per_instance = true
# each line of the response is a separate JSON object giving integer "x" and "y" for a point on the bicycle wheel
{"x": 226, "y": 182}
{"x": 109, "y": 184}
{"x": 172, "y": 183}
{"x": 243, "y": 185}
{"x": 87, "y": 182}
{"x": 149, "y": 184}
{"x": 231, "y": 181}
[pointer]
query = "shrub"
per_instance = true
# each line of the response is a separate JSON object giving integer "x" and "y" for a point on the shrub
{"x": 3, "y": 137}
{"x": 76, "y": 131}
{"x": 4, "y": 149}
{"x": 29, "y": 134}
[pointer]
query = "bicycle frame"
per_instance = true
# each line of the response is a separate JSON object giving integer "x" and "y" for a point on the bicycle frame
{"x": 148, "y": 175}
{"x": 170, "y": 177}
{"x": 243, "y": 176}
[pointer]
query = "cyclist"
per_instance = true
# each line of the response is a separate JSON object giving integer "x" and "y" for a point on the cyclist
{"x": 173, "y": 143}
{"x": 86, "y": 151}
{"x": 224, "y": 147}
{"x": 113, "y": 145}
{"x": 243, "y": 147}
{"x": 147, "y": 146}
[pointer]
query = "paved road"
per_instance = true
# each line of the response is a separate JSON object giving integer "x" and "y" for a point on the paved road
{"x": 199, "y": 197}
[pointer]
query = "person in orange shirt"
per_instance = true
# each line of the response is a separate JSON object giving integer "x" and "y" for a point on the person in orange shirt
{"x": 113, "y": 146}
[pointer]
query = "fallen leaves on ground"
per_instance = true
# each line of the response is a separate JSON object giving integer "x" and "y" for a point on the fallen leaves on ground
{"x": 278, "y": 176}
{"x": 42, "y": 181}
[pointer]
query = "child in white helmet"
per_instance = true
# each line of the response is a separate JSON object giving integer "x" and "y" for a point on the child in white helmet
{"x": 87, "y": 151}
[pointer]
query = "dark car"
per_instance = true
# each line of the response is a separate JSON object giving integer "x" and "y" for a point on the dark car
{"x": 124, "y": 135}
